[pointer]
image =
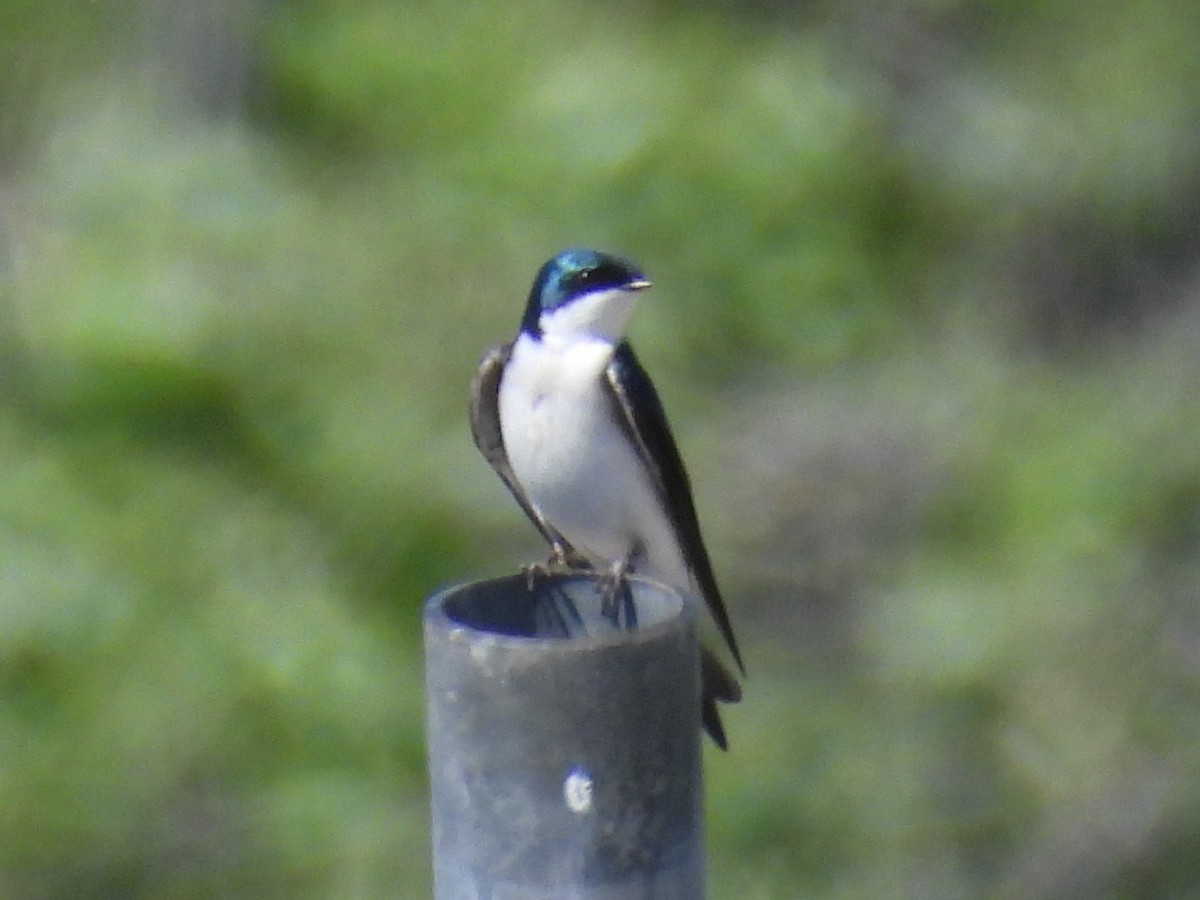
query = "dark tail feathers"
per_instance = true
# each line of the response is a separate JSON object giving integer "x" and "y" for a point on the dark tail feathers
{"x": 716, "y": 685}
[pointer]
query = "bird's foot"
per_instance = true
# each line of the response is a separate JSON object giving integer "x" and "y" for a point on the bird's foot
{"x": 534, "y": 574}
{"x": 616, "y": 596}
{"x": 567, "y": 559}
{"x": 562, "y": 560}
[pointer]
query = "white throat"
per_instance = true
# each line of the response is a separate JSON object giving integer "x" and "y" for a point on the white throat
{"x": 600, "y": 314}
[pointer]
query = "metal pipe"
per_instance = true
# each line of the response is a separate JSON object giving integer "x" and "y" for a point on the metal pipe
{"x": 564, "y": 753}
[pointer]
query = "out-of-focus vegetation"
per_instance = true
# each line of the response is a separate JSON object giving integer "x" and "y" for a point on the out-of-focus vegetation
{"x": 927, "y": 319}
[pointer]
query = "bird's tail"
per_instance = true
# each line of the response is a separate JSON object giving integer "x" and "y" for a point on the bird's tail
{"x": 716, "y": 685}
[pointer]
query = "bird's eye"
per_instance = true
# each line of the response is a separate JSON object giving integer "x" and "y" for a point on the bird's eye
{"x": 580, "y": 279}
{"x": 594, "y": 277}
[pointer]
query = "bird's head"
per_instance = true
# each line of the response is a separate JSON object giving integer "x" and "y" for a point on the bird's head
{"x": 583, "y": 293}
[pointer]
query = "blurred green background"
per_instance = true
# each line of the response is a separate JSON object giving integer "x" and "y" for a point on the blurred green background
{"x": 926, "y": 321}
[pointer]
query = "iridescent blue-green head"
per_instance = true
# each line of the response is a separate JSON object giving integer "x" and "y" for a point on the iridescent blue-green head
{"x": 583, "y": 293}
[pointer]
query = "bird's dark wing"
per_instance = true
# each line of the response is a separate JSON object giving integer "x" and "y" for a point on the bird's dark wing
{"x": 485, "y": 429}
{"x": 638, "y": 409}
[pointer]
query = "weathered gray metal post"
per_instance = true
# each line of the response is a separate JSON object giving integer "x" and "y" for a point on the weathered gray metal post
{"x": 564, "y": 754}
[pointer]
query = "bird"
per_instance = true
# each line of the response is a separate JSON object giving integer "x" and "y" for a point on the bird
{"x": 568, "y": 418}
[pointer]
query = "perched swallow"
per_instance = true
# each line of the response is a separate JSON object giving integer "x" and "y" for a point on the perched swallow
{"x": 571, "y": 423}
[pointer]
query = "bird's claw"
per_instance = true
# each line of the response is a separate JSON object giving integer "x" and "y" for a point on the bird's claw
{"x": 609, "y": 586}
{"x": 534, "y": 572}
{"x": 613, "y": 586}
{"x": 568, "y": 559}
{"x": 562, "y": 559}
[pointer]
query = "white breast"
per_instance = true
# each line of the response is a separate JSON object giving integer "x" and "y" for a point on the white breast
{"x": 575, "y": 462}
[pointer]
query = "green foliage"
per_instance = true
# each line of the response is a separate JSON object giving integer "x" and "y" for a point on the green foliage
{"x": 782, "y": 159}
{"x": 929, "y": 271}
